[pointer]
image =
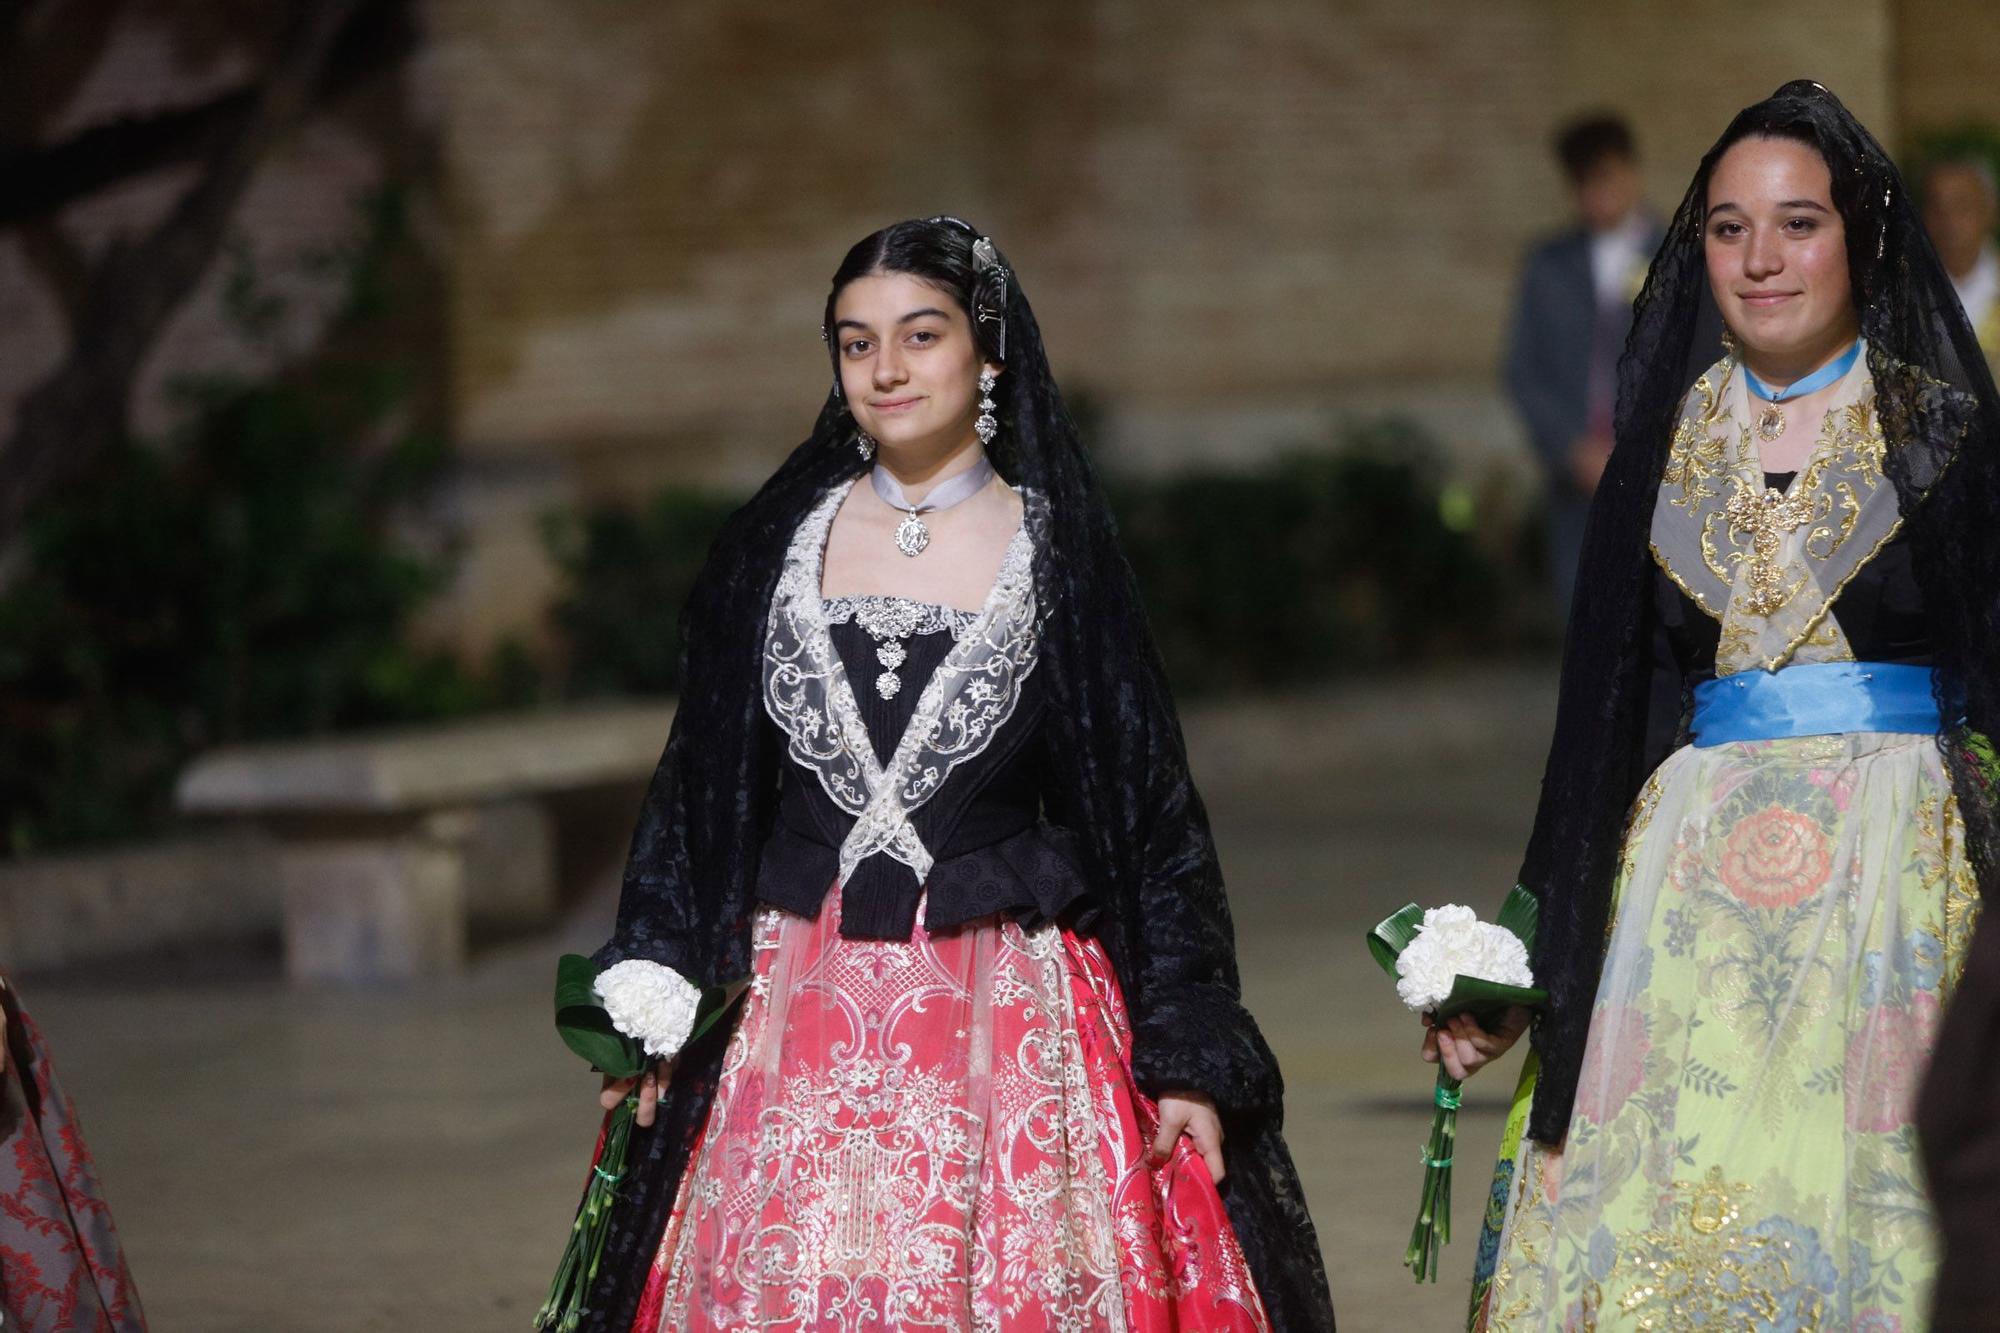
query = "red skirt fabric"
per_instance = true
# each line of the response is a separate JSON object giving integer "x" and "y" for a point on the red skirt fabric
{"x": 939, "y": 1134}
{"x": 61, "y": 1267}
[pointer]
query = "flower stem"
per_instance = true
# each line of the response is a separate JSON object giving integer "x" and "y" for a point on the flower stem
{"x": 576, "y": 1274}
{"x": 1433, "y": 1225}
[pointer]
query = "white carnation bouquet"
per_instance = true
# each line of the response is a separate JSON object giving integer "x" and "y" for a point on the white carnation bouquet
{"x": 1447, "y": 961}
{"x": 596, "y": 1010}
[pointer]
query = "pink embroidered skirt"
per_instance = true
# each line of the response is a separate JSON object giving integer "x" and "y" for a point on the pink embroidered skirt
{"x": 939, "y": 1133}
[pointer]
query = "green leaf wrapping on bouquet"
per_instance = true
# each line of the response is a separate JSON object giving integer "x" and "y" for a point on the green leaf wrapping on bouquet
{"x": 1393, "y": 934}
{"x": 587, "y": 1029}
{"x": 1485, "y": 1000}
{"x": 584, "y": 1025}
{"x": 1520, "y": 914}
{"x": 716, "y": 1002}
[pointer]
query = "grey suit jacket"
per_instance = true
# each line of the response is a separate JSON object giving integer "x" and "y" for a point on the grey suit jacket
{"x": 1548, "y": 345}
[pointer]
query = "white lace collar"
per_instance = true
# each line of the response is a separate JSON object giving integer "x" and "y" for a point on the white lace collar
{"x": 962, "y": 707}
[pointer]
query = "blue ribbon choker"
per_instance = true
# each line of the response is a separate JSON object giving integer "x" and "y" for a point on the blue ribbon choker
{"x": 1819, "y": 379}
{"x": 1815, "y": 699}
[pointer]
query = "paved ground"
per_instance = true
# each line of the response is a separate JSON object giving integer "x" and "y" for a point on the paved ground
{"x": 283, "y": 1163}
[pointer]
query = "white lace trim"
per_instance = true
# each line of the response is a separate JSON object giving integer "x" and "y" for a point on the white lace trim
{"x": 886, "y": 617}
{"x": 962, "y": 707}
{"x": 650, "y": 1003}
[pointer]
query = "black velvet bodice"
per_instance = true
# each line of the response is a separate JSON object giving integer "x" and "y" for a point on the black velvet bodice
{"x": 993, "y": 851}
{"x": 1881, "y": 611}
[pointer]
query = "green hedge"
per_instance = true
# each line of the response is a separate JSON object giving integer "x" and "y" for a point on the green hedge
{"x": 627, "y": 576}
{"x": 1320, "y": 563}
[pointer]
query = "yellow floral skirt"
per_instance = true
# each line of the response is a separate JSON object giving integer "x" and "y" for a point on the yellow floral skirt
{"x": 1790, "y": 918}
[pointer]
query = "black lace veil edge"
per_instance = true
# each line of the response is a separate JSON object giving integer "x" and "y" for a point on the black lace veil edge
{"x": 1938, "y": 409}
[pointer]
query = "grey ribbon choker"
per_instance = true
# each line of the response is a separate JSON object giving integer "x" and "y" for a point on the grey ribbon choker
{"x": 912, "y": 536}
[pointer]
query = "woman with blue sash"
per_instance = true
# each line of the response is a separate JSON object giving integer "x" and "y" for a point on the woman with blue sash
{"x": 1764, "y": 822}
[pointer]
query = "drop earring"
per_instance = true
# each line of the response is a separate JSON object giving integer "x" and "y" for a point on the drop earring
{"x": 864, "y": 444}
{"x": 987, "y": 426}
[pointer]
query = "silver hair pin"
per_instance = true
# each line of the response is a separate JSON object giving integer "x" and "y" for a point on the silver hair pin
{"x": 987, "y": 266}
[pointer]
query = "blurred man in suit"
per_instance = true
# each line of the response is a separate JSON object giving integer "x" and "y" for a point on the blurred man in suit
{"x": 1961, "y": 208}
{"x": 1570, "y": 322}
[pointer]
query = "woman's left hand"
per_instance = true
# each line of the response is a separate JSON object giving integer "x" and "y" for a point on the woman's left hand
{"x": 1192, "y": 1114}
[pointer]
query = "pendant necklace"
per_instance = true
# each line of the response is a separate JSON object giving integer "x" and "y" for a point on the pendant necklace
{"x": 1771, "y": 421}
{"x": 912, "y": 536}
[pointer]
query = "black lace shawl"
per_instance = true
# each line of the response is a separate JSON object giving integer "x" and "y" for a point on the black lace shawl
{"x": 1939, "y": 414}
{"x": 1121, "y": 786}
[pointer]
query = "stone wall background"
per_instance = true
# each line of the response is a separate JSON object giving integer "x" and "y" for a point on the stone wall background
{"x": 1238, "y": 223}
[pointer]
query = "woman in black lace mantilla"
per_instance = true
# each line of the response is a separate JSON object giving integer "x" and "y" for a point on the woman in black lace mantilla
{"x": 1768, "y": 817}
{"x": 927, "y": 788}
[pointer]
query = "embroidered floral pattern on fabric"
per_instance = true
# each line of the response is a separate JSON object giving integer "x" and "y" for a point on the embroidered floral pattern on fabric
{"x": 1696, "y": 463}
{"x": 1768, "y": 564}
{"x": 1765, "y": 516}
{"x": 1946, "y": 872}
{"x": 65, "y": 1267}
{"x": 940, "y": 1133}
{"x": 1743, "y": 1152}
{"x": 1706, "y": 1270}
{"x": 963, "y": 705}
{"x": 1776, "y": 858}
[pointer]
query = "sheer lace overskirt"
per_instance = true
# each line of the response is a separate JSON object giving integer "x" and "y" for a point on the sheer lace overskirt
{"x": 1791, "y": 918}
{"x": 939, "y": 1133}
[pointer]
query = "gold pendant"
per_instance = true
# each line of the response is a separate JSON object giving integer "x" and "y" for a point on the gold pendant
{"x": 1770, "y": 423}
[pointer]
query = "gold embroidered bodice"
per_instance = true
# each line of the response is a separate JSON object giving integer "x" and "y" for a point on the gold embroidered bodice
{"x": 1768, "y": 564}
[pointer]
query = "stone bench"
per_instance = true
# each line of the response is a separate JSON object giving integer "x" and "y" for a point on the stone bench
{"x": 389, "y": 846}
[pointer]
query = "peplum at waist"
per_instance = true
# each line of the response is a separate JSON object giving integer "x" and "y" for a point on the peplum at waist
{"x": 999, "y": 860}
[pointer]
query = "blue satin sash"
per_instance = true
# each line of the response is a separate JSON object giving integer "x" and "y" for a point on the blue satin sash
{"x": 1815, "y": 699}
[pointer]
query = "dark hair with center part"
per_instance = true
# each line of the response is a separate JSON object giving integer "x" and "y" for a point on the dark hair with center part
{"x": 936, "y": 250}
{"x": 1786, "y": 121}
